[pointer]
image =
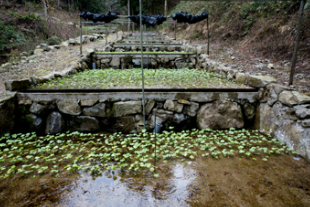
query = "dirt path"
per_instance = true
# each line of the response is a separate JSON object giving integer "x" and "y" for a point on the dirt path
{"x": 46, "y": 62}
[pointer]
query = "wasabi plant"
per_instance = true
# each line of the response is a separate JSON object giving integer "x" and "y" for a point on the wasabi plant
{"x": 75, "y": 152}
{"x": 131, "y": 78}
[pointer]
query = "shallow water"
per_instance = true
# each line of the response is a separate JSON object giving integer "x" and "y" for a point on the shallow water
{"x": 235, "y": 181}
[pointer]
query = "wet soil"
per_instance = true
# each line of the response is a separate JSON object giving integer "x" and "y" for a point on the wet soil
{"x": 235, "y": 181}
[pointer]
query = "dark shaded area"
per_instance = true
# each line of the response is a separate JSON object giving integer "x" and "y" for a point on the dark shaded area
{"x": 108, "y": 17}
{"x": 184, "y": 17}
{"x": 148, "y": 20}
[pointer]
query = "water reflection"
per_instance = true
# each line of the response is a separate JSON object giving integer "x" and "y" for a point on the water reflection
{"x": 203, "y": 182}
{"x": 282, "y": 181}
{"x": 115, "y": 188}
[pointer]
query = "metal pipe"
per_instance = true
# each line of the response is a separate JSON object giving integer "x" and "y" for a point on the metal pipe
{"x": 143, "y": 97}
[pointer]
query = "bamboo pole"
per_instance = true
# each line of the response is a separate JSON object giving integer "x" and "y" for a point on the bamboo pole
{"x": 294, "y": 58}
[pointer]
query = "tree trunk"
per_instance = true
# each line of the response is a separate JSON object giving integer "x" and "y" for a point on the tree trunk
{"x": 294, "y": 58}
{"x": 45, "y": 9}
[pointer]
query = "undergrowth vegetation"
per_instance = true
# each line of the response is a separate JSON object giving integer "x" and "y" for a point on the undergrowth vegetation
{"x": 131, "y": 78}
{"x": 23, "y": 26}
{"x": 29, "y": 155}
{"x": 269, "y": 26}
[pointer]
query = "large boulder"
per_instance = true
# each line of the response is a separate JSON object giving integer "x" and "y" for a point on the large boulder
{"x": 125, "y": 124}
{"x": 265, "y": 119}
{"x": 71, "y": 107}
{"x": 14, "y": 85}
{"x": 149, "y": 106}
{"x": 302, "y": 111}
{"x": 301, "y": 98}
{"x": 116, "y": 61}
{"x": 191, "y": 110}
{"x": 83, "y": 124}
{"x": 97, "y": 110}
{"x": 249, "y": 111}
{"x": 171, "y": 105}
{"x": 55, "y": 123}
{"x": 7, "y": 113}
{"x": 37, "y": 108}
{"x": 127, "y": 108}
{"x": 220, "y": 115}
{"x": 260, "y": 81}
{"x": 160, "y": 116}
{"x": 287, "y": 98}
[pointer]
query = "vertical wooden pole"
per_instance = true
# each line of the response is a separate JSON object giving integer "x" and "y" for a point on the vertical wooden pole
{"x": 175, "y": 30}
{"x": 294, "y": 58}
{"x": 165, "y": 7}
{"x": 141, "y": 43}
{"x": 81, "y": 42}
{"x": 106, "y": 35}
{"x": 208, "y": 35}
{"x": 128, "y": 2}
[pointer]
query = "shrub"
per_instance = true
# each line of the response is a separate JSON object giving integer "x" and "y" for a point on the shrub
{"x": 9, "y": 36}
{"x": 53, "y": 40}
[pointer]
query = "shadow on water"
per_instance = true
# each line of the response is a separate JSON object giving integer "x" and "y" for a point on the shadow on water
{"x": 281, "y": 181}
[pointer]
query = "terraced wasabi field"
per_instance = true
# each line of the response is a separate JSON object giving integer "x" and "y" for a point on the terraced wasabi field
{"x": 131, "y": 78}
{"x": 193, "y": 168}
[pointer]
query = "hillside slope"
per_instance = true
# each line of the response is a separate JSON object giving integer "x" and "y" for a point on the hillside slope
{"x": 23, "y": 26}
{"x": 252, "y": 31}
{"x": 269, "y": 27}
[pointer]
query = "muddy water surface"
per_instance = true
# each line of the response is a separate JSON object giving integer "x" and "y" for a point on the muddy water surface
{"x": 281, "y": 181}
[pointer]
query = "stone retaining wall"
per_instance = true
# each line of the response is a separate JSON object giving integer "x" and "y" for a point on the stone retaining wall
{"x": 282, "y": 112}
{"x": 55, "y": 113}
{"x": 130, "y": 61}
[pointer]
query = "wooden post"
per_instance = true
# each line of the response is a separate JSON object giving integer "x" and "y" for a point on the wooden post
{"x": 208, "y": 35}
{"x": 165, "y": 7}
{"x": 81, "y": 42}
{"x": 294, "y": 58}
{"x": 175, "y": 30}
{"x": 128, "y": 2}
{"x": 106, "y": 36}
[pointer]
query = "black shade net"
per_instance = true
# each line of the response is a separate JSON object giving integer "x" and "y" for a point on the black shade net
{"x": 184, "y": 17}
{"x": 108, "y": 17}
{"x": 148, "y": 20}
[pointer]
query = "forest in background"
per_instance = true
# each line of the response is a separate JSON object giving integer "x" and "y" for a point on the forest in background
{"x": 269, "y": 27}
